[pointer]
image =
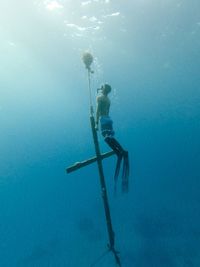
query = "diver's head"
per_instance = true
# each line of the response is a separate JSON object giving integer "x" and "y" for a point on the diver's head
{"x": 105, "y": 89}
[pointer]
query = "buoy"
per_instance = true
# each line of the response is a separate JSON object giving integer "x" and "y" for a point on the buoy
{"x": 87, "y": 59}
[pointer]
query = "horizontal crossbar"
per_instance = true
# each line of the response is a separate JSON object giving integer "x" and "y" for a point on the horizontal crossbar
{"x": 84, "y": 163}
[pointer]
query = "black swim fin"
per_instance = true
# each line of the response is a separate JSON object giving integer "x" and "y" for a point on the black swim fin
{"x": 125, "y": 172}
{"x": 117, "y": 169}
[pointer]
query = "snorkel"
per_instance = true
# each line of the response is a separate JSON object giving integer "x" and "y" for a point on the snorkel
{"x": 99, "y": 90}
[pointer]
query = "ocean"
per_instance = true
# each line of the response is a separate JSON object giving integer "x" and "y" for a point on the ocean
{"x": 148, "y": 51}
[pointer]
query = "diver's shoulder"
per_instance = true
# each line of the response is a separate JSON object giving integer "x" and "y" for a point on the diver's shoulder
{"x": 100, "y": 98}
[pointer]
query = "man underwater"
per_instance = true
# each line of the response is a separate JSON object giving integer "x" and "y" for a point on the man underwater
{"x": 102, "y": 115}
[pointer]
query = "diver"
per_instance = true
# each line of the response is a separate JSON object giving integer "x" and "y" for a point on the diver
{"x": 102, "y": 115}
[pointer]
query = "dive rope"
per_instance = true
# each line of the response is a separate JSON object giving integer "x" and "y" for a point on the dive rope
{"x": 88, "y": 59}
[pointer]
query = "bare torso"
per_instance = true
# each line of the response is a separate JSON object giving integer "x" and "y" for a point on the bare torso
{"x": 103, "y": 105}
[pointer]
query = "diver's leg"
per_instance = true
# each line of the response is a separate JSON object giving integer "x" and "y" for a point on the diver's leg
{"x": 117, "y": 144}
{"x": 112, "y": 144}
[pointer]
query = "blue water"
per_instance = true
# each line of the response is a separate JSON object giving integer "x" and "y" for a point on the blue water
{"x": 149, "y": 52}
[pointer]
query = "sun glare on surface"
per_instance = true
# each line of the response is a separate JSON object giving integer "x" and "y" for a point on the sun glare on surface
{"x": 84, "y": 18}
{"x": 53, "y": 5}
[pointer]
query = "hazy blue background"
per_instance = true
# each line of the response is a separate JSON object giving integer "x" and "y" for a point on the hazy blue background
{"x": 149, "y": 51}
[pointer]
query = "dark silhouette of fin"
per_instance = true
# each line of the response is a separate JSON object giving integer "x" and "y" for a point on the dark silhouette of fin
{"x": 121, "y": 154}
{"x": 125, "y": 172}
{"x": 117, "y": 169}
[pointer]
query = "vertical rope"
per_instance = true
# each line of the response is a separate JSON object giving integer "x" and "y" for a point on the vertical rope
{"x": 90, "y": 93}
{"x": 111, "y": 234}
